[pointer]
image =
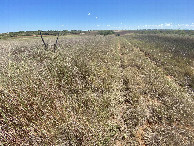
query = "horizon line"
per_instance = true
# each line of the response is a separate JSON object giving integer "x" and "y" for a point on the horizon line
{"x": 93, "y": 30}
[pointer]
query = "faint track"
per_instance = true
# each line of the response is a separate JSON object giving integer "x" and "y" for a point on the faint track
{"x": 120, "y": 109}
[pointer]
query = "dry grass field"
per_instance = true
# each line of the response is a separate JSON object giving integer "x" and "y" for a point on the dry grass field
{"x": 97, "y": 90}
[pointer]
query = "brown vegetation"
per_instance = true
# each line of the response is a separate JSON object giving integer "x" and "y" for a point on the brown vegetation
{"x": 91, "y": 91}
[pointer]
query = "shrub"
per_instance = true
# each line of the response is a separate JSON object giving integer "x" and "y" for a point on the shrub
{"x": 106, "y": 32}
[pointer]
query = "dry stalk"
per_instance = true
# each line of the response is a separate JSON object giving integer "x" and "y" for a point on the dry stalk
{"x": 45, "y": 45}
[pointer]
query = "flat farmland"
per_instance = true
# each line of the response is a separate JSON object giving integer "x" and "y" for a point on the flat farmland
{"x": 132, "y": 89}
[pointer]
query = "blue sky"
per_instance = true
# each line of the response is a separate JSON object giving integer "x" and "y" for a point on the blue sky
{"x": 16, "y": 15}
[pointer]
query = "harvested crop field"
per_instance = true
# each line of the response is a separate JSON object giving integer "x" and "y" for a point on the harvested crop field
{"x": 97, "y": 90}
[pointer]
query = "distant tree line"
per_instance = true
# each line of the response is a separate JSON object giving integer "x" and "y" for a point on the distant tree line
{"x": 94, "y": 32}
{"x": 36, "y": 33}
{"x": 105, "y": 32}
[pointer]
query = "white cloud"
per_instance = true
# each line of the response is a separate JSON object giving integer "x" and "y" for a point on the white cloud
{"x": 168, "y": 24}
{"x": 161, "y": 25}
{"x": 115, "y": 27}
{"x": 89, "y": 14}
{"x": 62, "y": 25}
{"x": 96, "y": 17}
{"x": 185, "y": 25}
{"x": 108, "y": 25}
{"x": 97, "y": 25}
{"x": 155, "y": 26}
